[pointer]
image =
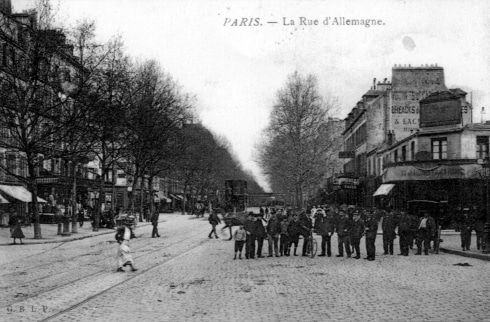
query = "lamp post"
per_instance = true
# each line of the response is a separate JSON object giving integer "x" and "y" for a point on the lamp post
{"x": 484, "y": 172}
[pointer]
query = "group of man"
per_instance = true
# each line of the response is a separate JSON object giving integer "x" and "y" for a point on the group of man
{"x": 283, "y": 229}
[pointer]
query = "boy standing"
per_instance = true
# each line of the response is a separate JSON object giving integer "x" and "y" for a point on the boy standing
{"x": 240, "y": 236}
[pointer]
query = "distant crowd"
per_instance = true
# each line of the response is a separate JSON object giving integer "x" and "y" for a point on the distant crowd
{"x": 283, "y": 229}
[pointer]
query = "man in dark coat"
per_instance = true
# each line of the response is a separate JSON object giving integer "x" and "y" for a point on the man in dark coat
{"x": 467, "y": 224}
{"x": 249, "y": 227}
{"x": 343, "y": 228}
{"x": 371, "y": 230}
{"x": 324, "y": 224}
{"x": 426, "y": 229}
{"x": 214, "y": 221}
{"x": 356, "y": 233}
{"x": 404, "y": 232}
{"x": 154, "y": 222}
{"x": 293, "y": 233}
{"x": 306, "y": 225}
{"x": 389, "y": 234}
{"x": 261, "y": 234}
{"x": 273, "y": 231}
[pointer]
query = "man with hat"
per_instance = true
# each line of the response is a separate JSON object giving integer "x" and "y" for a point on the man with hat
{"x": 404, "y": 232}
{"x": 467, "y": 224}
{"x": 306, "y": 224}
{"x": 389, "y": 234}
{"x": 324, "y": 226}
{"x": 249, "y": 227}
{"x": 260, "y": 234}
{"x": 357, "y": 232}
{"x": 343, "y": 228}
{"x": 371, "y": 230}
{"x": 426, "y": 229}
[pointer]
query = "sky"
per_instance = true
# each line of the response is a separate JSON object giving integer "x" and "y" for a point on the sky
{"x": 235, "y": 55}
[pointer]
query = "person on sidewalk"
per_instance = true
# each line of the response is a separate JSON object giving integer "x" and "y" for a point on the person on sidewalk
{"x": 426, "y": 229}
{"x": 389, "y": 235}
{"x": 124, "y": 257}
{"x": 479, "y": 227}
{"x": 343, "y": 229}
{"x": 273, "y": 230}
{"x": 371, "y": 230}
{"x": 15, "y": 223}
{"x": 356, "y": 233}
{"x": 325, "y": 227}
{"x": 214, "y": 221}
{"x": 240, "y": 236}
{"x": 154, "y": 223}
{"x": 467, "y": 224}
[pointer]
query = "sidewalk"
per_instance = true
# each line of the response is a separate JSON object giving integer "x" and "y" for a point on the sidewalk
{"x": 49, "y": 233}
{"x": 452, "y": 244}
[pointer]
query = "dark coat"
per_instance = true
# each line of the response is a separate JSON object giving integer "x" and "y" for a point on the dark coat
{"x": 259, "y": 229}
{"x": 249, "y": 226}
{"x": 344, "y": 226}
{"x": 294, "y": 228}
{"x": 306, "y": 224}
{"x": 324, "y": 225}
{"x": 357, "y": 229}
{"x": 371, "y": 225}
{"x": 273, "y": 227}
{"x": 214, "y": 219}
{"x": 404, "y": 224}
{"x": 388, "y": 225}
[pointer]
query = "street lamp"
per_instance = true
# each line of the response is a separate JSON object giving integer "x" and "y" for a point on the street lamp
{"x": 484, "y": 172}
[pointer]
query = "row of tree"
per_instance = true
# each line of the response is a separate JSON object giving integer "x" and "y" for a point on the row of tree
{"x": 101, "y": 105}
{"x": 302, "y": 140}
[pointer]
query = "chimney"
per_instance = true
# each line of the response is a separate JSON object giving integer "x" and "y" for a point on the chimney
{"x": 6, "y": 6}
{"x": 374, "y": 83}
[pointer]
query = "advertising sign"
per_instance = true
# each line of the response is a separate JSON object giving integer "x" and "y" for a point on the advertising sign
{"x": 440, "y": 113}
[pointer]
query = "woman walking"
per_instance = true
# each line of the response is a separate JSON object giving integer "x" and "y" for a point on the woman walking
{"x": 15, "y": 224}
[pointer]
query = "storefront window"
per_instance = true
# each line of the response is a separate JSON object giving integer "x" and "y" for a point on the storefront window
{"x": 439, "y": 148}
{"x": 482, "y": 147}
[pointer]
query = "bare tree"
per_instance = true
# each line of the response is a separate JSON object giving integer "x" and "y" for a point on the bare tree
{"x": 296, "y": 153}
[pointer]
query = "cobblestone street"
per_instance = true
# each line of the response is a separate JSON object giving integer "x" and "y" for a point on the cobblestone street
{"x": 185, "y": 276}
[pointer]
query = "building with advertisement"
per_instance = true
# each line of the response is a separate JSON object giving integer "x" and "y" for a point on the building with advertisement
{"x": 388, "y": 113}
{"x": 441, "y": 161}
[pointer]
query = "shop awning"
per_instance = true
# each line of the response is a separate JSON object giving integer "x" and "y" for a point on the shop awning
{"x": 3, "y": 200}
{"x": 19, "y": 193}
{"x": 384, "y": 189}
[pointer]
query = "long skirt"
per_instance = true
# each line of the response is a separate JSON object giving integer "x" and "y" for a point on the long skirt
{"x": 124, "y": 254}
{"x": 17, "y": 232}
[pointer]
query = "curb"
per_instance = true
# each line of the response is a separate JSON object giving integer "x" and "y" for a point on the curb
{"x": 69, "y": 239}
{"x": 465, "y": 254}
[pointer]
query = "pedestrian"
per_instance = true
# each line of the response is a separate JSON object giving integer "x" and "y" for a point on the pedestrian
{"x": 356, "y": 233}
{"x": 404, "y": 232}
{"x": 325, "y": 227}
{"x": 478, "y": 227}
{"x": 81, "y": 216}
{"x": 249, "y": 227}
{"x": 284, "y": 242}
{"x": 261, "y": 234}
{"x": 467, "y": 224}
{"x": 240, "y": 237}
{"x": 293, "y": 233}
{"x": 273, "y": 230}
{"x": 154, "y": 223}
{"x": 425, "y": 231}
{"x": 343, "y": 229}
{"x": 15, "y": 223}
{"x": 388, "y": 226}
{"x": 214, "y": 221}
{"x": 371, "y": 230}
{"x": 124, "y": 257}
{"x": 306, "y": 225}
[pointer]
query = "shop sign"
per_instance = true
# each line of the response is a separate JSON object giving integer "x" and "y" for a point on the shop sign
{"x": 437, "y": 172}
